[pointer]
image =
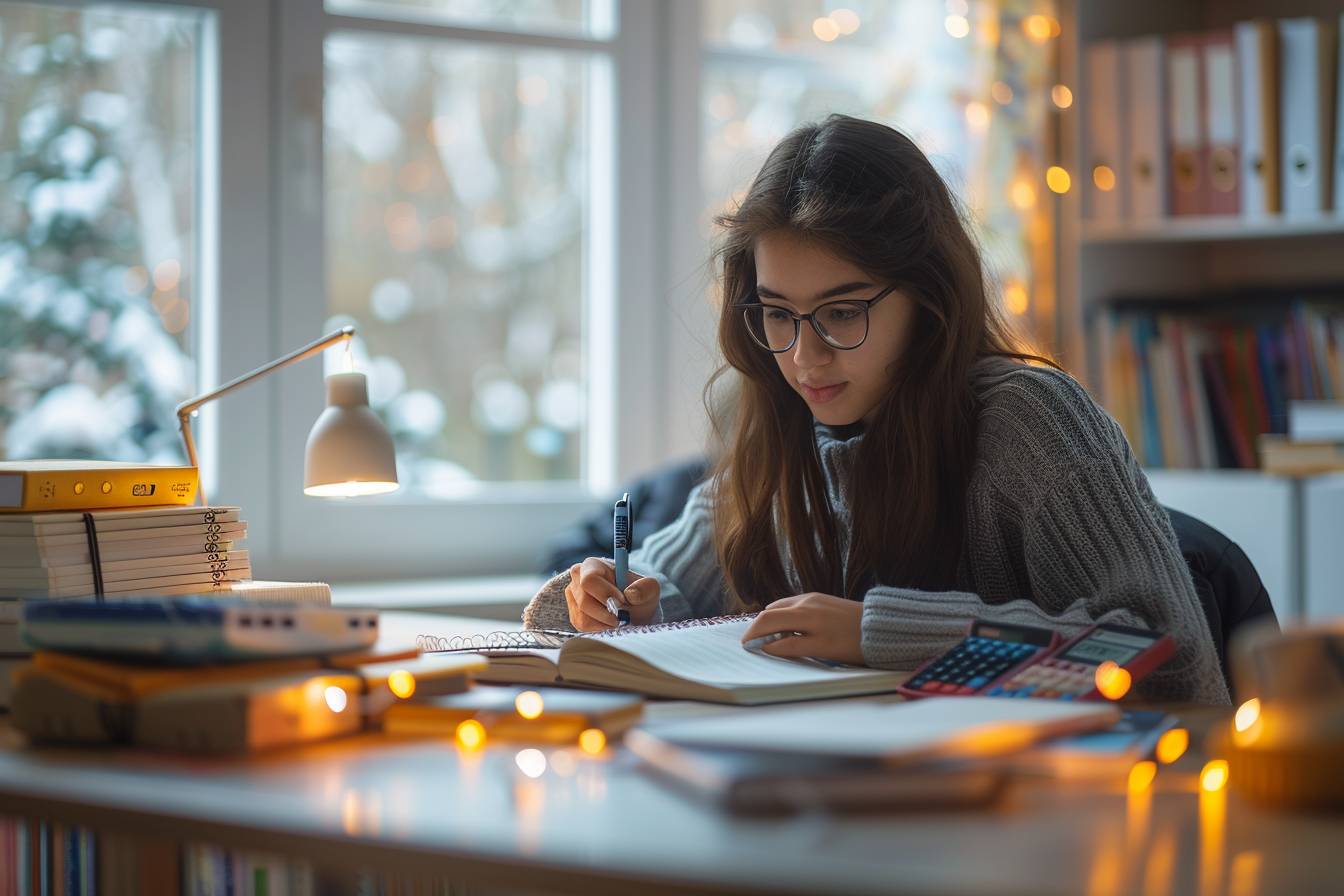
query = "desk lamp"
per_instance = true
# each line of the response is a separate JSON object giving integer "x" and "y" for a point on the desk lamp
{"x": 349, "y": 451}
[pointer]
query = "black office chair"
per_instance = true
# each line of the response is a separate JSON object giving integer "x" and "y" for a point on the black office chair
{"x": 1230, "y": 591}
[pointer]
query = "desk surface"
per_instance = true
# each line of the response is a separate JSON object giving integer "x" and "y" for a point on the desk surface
{"x": 602, "y": 825}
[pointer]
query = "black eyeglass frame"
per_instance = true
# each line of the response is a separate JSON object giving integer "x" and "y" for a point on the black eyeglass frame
{"x": 811, "y": 318}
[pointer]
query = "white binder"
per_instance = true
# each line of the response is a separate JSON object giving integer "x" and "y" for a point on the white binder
{"x": 1306, "y": 83}
{"x": 1145, "y": 137}
{"x": 1339, "y": 119}
{"x": 1257, "y": 62}
{"x": 1104, "y": 146}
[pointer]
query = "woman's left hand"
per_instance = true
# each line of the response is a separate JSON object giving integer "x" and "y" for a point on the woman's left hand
{"x": 828, "y": 627}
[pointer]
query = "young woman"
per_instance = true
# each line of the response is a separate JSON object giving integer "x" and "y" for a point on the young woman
{"x": 892, "y": 468}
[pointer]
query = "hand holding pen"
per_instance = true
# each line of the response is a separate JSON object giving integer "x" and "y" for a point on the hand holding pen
{"x": 593, "y": 582}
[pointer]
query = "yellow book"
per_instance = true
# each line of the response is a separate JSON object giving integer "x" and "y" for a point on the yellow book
{"x": 35, "y": 485}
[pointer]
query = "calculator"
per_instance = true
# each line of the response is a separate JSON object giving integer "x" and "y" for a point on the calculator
{"x": 985, "y": 657}
{"x": 1070, "y": 673}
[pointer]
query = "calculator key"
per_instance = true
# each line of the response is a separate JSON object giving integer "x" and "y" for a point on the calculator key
{"x": 947, "y": 687}
{"x": 994, "y": 692}
{"x": 929, "y": 686}
{"x": 978, "y": 681}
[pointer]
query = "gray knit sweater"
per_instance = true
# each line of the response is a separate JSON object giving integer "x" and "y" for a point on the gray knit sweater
{"x": 1062, "y": 531}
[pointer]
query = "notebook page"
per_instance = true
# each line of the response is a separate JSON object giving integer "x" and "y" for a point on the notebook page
{"x": 713, "y": 654}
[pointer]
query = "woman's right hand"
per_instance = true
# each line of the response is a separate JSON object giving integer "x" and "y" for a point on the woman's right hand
{"x": 593, "y": 581}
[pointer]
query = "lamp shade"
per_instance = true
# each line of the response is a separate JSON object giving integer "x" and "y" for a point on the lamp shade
{"x": 349, "y": 451}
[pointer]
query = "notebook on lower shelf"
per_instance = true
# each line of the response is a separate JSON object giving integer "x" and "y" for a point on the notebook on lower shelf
{"x": 700, "y": 659}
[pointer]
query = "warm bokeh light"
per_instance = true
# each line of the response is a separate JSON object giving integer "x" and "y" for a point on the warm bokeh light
{"x": 1141, "y": 776}
{"x": 402, "y": 221}
{"x": 167, "y": 273}
{"x": 1104, "y": 178}
{"x": 1061, "y": 96}
{"x": 1023, "y": 194}
{"x": 592, "y": 741}
{"x": 957, "y": 26}
{"x": 1038, "y": 28}
{"x": 825, "y": 29}
{"x": 532, "y": 90}
{"x": 531, "y": 762}
{"x": 1113, "y": 680}
{"x": 1214, "y": 775}
{"x": 336, "y": 698}
{"x": 175, "y": 314}
{"x": 1172, "y": 745}
{"x": 401, "y": 683}
{"x": 977, "y": 116}
{"x": 1001, "y": 92}
{"x": 1015, "y": 299}
{"x": 1057, "y": 179}
{"x": 529, "y": 704}
{"x": 137, "y": 278}
{"x": 471, "y": 735}
{"x": 846, "y": 20}
{"x": 563, "y": 763}
{"x": 1247, "y": 714}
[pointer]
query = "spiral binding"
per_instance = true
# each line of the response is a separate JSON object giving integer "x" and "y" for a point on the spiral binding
{"x": 547, "y": 639}
{"x": 523, "y": 640}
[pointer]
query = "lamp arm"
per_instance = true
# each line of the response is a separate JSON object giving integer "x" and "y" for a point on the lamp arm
{"x": 188, "y": 407}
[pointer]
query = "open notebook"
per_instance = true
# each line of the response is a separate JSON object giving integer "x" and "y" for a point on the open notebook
{"x": 700, "y": 659}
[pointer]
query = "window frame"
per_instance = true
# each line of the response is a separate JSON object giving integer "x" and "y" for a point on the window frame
{"x": 419, "y": 536}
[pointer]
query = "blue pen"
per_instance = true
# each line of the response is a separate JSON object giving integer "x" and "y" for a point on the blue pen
{"x": 620, "y": 552}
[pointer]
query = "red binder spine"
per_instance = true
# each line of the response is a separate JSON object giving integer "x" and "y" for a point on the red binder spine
{"x": 1186, "y": 140}
{"x": 1222, "y": 159}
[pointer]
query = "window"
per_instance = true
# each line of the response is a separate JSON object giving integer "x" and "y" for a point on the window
{"x": 99, "y": 296}
{"x": 510, "y": 200}
{"x": 458, "y": 226}
{"x": 448, "y": 174}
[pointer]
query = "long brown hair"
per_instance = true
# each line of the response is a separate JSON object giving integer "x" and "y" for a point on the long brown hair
{"x": 868, "y": 194}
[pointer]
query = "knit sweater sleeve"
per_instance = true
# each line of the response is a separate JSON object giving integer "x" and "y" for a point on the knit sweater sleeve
{"x": 1096, "y": 547}
{"x": 680, "y": 556}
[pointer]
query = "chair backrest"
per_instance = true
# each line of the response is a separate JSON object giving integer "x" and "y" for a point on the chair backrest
{"x": 1230, "y": 591}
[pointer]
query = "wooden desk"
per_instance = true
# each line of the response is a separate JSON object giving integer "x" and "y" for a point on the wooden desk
{"x": 419, "y": 808}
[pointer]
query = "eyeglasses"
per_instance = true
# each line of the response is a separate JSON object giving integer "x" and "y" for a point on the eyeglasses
{"x": 842, "y": 325}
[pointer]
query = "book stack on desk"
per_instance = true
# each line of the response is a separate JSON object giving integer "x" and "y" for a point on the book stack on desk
{"x": 156, "y": 550}
{"x": 84, "y": 528}
{"x": 223, "y": 708}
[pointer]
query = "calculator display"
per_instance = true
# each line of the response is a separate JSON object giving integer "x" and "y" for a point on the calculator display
{"x": 1104, "y": 645}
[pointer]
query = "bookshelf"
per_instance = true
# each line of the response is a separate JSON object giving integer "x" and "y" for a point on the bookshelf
{"x": 1211, "y": 229}
{"x": 1277, "y": 521}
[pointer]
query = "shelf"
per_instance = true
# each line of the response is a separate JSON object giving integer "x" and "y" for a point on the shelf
{"x": 1209, "y": 229}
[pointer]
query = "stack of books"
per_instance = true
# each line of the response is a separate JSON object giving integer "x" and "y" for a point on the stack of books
{"x": 217, "y": 706}
{"x": 88, "y": 528}
{"x": 1314, "y": 443}
{"x": 162, "y": 550}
